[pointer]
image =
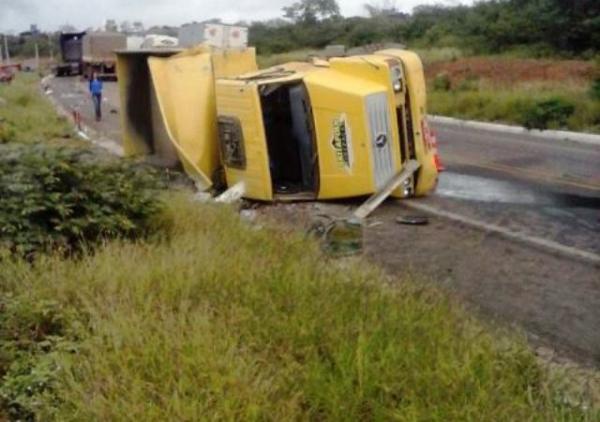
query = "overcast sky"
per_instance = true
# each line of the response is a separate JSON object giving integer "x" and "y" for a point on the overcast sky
{"x": 17, "y": 15}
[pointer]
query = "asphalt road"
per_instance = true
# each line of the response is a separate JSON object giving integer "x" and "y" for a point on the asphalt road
{"x": 547, "y": 189}
{"x": 72, "y": 94}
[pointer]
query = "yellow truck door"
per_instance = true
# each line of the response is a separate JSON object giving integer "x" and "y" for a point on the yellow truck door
{"x": 185, "y": 91}
{"x": 242, "y": 138}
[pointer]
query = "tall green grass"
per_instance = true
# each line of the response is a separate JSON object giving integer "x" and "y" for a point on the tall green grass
{"x": 26, "y": 116}
{"x": 480, "y": 100}
{"x": 218, "y": 319}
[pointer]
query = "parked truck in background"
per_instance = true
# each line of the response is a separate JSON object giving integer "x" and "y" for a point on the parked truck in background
{"x": 99, "y": 53}
{"x": 71, "y": 54}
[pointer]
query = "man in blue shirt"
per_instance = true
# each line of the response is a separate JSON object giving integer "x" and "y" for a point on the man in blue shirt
{"x": 96, "y": 91}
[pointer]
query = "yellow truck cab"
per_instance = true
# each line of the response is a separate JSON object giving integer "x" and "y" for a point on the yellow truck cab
{"x": 333, "y": 129}
{"x": 322, "y": 130}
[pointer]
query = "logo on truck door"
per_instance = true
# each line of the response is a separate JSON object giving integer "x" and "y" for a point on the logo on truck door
{"x": 342, "y": 142}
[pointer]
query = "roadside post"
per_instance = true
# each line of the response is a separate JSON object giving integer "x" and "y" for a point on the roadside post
{"x": 37, "y": 57}
{"x": 6, "y": 52}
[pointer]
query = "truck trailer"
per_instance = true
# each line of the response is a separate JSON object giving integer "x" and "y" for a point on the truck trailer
{"x": 338, "y": 128}
{"x": 98, "y": 53}
{"x": 71, "y": 53}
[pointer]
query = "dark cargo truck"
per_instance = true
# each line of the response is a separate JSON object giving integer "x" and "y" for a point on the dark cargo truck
{"x": 99, "y": 53}
{"x": 71, "y": 52}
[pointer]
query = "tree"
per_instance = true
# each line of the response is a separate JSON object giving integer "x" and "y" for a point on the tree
{"x": 311, "y": 11}
{"x": 383, "y": 8}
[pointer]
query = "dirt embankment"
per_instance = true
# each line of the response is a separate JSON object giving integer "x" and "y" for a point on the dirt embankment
{"x": 508, "y": 70}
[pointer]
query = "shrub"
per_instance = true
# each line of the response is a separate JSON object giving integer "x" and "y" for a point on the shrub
{"x": 442, "y": 82}
{"x": 544, "y": 114}
{"x": 58, "y": 198}
{"x": 31, "y": 332}
{"x": 595, "y": 89}
{"x": 470, "y": 83}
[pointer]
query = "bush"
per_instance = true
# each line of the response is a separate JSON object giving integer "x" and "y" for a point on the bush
{"x": 552, "y": 113}
{"x": 442, "y": 82}
{"x": 470, "y": 83}
{"x": 595, "y": 89}
{"x": 60, "y": 199}
{"x": 31, "y": 332}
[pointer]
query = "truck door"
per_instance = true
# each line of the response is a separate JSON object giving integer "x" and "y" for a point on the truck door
{"x": 242, "y": 139}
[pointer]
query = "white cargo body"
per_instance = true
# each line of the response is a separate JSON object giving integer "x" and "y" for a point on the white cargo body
{"x": 236, "y": 36}
{"x": 214, "y": 34}
{"x": 134, "y": 42}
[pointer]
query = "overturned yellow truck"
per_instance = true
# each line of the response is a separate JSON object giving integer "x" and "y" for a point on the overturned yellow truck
{"x": 328, "y": 129}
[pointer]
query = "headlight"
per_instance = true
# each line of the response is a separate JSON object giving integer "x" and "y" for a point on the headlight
{"x": 408, "y": 187}
{"x": 396, "y": 76}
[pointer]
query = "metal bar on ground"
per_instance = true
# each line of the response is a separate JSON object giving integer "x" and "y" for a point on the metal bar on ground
{"x": 378, "y": 197}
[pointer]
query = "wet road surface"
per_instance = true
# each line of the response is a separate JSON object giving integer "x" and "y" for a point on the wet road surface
{"x": 542, "y": 187}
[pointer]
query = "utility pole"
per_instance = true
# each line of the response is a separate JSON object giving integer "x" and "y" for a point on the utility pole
{"x": 6, "y": 49}
{"x": 37, "y": 57}
{"x": 51, "y": 49}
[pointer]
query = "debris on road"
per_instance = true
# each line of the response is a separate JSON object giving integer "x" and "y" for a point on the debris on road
{"x": 404, "y": 178}
{"x": 338, "y": 237}
{"x": 413, "y": 220}
{"x": 232, "y": 194}
{"x": 248, "y": 215}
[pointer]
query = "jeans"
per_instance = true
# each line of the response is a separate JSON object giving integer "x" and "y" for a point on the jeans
{"x": 97, "y": 99}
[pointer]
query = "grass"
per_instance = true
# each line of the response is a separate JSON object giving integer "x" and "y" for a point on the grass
{"x": 484, "y": 101}
{"x": 26, "y": 116}
{"x": 220, "y": 320}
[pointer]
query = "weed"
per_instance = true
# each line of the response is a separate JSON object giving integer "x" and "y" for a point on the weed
{"x": 518, "y": 103}
{"x": 595, "y": 89}
{"x": 470, "y": 83}
{"x": 442, "y": 82}
{"x": 551, "y": 113}
{"x": 26, "y": 116}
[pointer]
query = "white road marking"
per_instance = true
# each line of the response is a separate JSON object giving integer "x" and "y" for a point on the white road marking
{"x": 522, "y": 237}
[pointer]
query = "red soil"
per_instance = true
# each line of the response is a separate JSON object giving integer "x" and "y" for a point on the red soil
{"x": 507, "y": 70}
